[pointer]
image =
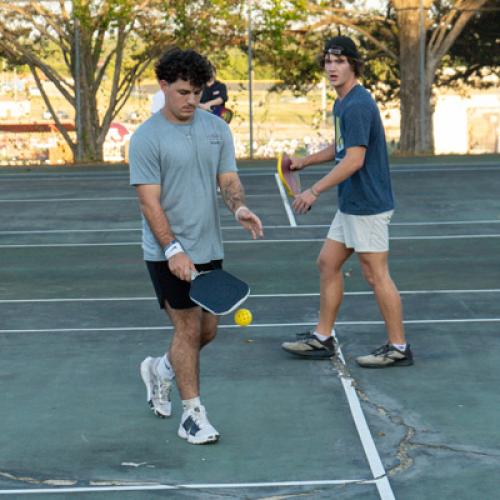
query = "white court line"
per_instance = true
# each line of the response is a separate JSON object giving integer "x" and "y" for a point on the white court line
{"x": 402, "y": 169}
{"x": 238, "y": 228}
{"x": 251, "y": 242}
{"x": 205, "y": 486}
{"x": 52, "y": 200}
{"x": 365, "y": 435}
{"x": 253, "y": 325}
{"x": 446, "y": 223}
{"x": 286, "y": 204}
{"x": 112, "y": 198}
{"x": 66, "y": 231}
{"x": 252, "y": 296}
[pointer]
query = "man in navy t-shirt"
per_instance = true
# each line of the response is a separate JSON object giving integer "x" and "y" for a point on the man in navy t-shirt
{"x": 214, "y": 95}
{"x": 365, "y": 207}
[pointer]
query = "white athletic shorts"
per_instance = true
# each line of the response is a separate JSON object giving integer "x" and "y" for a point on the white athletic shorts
{"x": 363, "y": 233}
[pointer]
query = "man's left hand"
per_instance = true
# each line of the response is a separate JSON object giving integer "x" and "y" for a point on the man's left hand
{"x": 250, "y": 222}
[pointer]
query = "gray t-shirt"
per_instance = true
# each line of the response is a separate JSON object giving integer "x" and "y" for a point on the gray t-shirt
{"x": 184, "y": 159}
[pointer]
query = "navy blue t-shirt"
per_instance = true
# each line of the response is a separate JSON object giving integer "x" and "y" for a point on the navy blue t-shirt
{"x": 357, "y": 122}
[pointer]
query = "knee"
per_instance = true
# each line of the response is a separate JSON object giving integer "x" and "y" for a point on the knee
{"x": 187, "y": 330}
{"x": 376, "y": 279}
{"x": 207, "y": 335}
{"x": 369, "y": 277}
{"x": 325, "y": 265}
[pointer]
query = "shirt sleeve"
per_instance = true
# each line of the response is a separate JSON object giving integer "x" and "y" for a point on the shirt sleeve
{"x": 144, "y": 160}
{"x": 223, "y": 92}
{"x": 357, "y": 125}
{"x": 227, "y": 161}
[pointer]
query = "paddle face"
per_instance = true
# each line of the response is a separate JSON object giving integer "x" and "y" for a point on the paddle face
{"x": 289, "y": 178}
{"x": 218, "y": 291}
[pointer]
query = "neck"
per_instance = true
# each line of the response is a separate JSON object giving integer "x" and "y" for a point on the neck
{"x": 345, "y": 88}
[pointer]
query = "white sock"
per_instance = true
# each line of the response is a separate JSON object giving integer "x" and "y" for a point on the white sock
{"x": 320, "y": 337}
{"x": 188, "y": 404}
{"x": 164, "y": 368}
{"x": 400, "y": 347}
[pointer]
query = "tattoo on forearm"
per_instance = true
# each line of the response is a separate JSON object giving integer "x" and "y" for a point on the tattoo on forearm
{"x": 233, "y": 194}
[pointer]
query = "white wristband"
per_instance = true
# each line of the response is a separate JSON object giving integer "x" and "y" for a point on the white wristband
{"x": 238, "y": 210}
{"x": 173, "y": 249}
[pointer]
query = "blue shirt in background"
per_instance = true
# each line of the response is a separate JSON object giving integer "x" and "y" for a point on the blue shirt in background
{"x": 357, "y": 122}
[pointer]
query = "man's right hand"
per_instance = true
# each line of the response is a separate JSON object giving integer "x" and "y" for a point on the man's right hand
{"x": 181, "y": 266}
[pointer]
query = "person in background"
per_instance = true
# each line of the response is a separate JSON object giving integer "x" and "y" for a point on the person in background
{"x": 214, "y": 95}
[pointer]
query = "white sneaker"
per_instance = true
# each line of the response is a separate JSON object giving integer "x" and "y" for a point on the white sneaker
{"x": 196, "y": 428}
{"x": 158, "y": 389}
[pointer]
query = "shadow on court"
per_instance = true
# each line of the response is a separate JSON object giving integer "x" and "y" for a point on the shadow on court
{"x": 78, "y": 315}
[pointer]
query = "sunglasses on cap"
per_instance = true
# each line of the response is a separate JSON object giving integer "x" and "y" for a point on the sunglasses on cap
{"x": 336, "y": 51}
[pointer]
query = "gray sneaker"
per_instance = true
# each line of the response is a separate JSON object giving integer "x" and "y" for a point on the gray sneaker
{"x": 309, "y": 346}
{"x": 158, "y": 389}
{"x": 385, "y": 356}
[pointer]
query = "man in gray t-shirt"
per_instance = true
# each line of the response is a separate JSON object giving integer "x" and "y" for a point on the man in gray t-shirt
{"x": 178, "y": 158}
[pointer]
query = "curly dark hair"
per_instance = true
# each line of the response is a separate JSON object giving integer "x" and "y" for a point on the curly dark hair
{"x": 187, "y": 65}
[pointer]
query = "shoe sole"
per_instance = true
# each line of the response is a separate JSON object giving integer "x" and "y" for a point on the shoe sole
{"x": 209, "y": 440}
{"x": 404, "y": 362}
{"x": 310, "y": 354}
{"x": 146, "y": 378}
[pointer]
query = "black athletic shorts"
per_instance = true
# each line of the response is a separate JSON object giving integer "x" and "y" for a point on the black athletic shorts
{"x": 170, "y": 288}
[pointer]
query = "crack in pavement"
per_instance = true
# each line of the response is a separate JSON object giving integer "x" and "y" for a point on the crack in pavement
{"x": 406, "y": 444}
{"x": 32, "y": 480}
{"x": 402, "y": 453}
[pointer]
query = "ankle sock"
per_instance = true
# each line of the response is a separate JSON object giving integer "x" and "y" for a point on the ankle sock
{"x": 320, "y": 337}
{"x": 188, "y": 404}
{"x": 164, "y": 368}
{"x": 400, "y": 347}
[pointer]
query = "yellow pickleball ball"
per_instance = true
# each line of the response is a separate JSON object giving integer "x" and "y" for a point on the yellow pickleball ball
{"x": 243, "y": 317}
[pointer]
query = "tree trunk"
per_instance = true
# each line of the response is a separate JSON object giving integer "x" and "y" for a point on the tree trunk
{"x": 416, "y": 128}
{"x": 87, "y": 147}
{"x": 91, "y": 149}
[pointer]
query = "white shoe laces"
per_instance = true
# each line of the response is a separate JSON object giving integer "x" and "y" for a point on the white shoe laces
{"x": 199, "y": 415}
{"x": 161, "y": 388}
{"x": 164, "y": 388}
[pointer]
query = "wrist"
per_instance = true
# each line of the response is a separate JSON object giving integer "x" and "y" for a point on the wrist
{"x": 173, "y": 248}
{"x": 314, "y": 192}
{"x": 238, "y": 210}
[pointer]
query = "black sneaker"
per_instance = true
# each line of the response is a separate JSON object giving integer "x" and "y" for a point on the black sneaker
{"x": 385, "y": 356}
{"x": 309, "y": 346}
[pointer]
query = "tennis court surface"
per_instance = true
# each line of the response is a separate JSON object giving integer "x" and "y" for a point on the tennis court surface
{"x": 78, "y": 315}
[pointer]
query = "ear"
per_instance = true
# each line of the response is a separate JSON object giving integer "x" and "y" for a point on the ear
{"x": 164, "y": 85}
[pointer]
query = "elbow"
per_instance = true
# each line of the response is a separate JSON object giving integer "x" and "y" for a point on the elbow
{"x": 356, "y": 165}
{"x": 359, "y": 165}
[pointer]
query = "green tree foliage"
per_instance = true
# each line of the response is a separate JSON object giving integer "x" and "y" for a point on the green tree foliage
{"x": 86, "y": 46}
{"x": 460, "y": 37}
{"x": 475, "y": 56}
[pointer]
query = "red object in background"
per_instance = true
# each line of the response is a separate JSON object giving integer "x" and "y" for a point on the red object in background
{"x": 34, "y": 127}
